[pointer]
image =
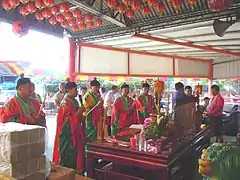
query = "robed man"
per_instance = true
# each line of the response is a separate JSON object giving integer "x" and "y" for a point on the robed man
{"x": 122, "y": 111}
{"x": 93, "y": 105}
{"x": 146, "y": 101}
{"x": 22, "y": 108}
{"x": 69, "y": 146}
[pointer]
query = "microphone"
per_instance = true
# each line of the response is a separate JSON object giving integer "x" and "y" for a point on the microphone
{"x": 80, "y": 99}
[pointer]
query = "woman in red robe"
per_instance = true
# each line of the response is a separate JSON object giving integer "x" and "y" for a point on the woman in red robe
{"x": 146, "y": 101}
{"x": 22, "y": 108}
{"x": 69, "y": 146}
{"x": 122, "y": 111}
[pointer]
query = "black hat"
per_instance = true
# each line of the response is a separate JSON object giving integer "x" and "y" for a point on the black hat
{"x": 95, "y": 83}
{"x": 145, "y": 85}
{"x": 22, "y": 81}
{"x": 70, "y": 85}
{"x": 124, "y": 86}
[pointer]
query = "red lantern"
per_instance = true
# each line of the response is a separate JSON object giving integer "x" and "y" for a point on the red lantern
{"x": 64, "y": 7}
{"x": 88, "y": 18}
{"x": 130, "y": 13}
{"x": 127, "y": 2}
{"x": 177, "y": 4}
{"x": 146, "y": 10}
{"x": 23, "y": 11}
{"x": 14, "y": 3}
{"x": 68, "y": 15}
{"x": 99, "y": 22}
{"x": 24, "y": 1}
{"x": 60, "y": 18}
{"x": 39, "y": 4}
{"x": 52, "y": 20}
{"x": 75, "y": 28}
{"x": 90, "y": 25}
{"x": 39, "y": 16}
{"x": 121, "y": 8}
{"x": 20, "y": 28}
{"x": 111, "y": 3}
{"x": 48, "y": 2}
{"x": 136, "y": 5}
{"x": 83, "y": 27}
{"x": 72, "y": 22}
{"x": 31, "y": 8}
{"x": 77, "y": 13}
{"x": 54, "y": 10}
{"x": 80, "y": 20}
{"x": 152, "y": 3}
{"x": 160, "y": 8}
{"x": 46, "y": 13}
{"x": 219, "y": 5}
{"x": 192, "y": 2}
{"x": 6, "y": 5}
{"x": 64, "y": 24}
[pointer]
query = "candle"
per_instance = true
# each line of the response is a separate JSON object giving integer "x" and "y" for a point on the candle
{"x": 133, "y": 142}
{"x": 114, "y": 142}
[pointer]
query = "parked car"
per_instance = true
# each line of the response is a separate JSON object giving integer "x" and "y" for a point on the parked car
{"x": 231, "y": 121}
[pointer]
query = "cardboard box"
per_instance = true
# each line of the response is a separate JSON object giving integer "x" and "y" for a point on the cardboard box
{"x": 20, "y": 142}
{"x": 61, "y": 173}
{"x": 34, "y": 167}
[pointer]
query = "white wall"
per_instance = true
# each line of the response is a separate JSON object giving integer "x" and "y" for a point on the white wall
{"x": 191, "y": 68}
{"x": 226, "y": 70}
{"x": 94, "y": 60}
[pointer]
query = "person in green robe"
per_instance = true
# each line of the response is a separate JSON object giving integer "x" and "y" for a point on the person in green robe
{"x": 69, "y": 146}
{"x": 93, "y": 105}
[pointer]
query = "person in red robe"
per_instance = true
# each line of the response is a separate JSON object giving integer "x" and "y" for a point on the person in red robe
{"x": 69, "y": 146}
{"x": 122, "y": 111}
{"x": 22, "y": 108}
{"x": 144, "y": 104}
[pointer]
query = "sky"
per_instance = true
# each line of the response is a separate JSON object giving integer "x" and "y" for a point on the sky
{"x": 42, "y": 50}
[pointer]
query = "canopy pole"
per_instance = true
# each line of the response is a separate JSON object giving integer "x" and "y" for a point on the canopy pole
{"x": 72, "y": 57}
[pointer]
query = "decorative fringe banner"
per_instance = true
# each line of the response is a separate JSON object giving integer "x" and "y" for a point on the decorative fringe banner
{"x": 139, "y": 79}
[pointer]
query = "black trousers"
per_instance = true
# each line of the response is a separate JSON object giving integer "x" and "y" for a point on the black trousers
{"x": 216, "y": 125}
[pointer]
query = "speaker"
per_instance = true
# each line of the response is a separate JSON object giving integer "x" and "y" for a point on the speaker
{"x": 220, "y": 27}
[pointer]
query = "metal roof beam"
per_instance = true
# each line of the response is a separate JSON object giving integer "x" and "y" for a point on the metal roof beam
{"x": 95, "y": 12}
{"x": 186, "y": 44}
{"x": 214, "y": 43}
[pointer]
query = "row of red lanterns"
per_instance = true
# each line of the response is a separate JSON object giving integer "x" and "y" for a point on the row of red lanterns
{"x": 54, "y": 13}
{"x": 129, "y": 7}
{"x": 70, "y": 19}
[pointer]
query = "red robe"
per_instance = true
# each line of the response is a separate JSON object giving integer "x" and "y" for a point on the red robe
{"x": 120, "y": 117}
{"x": 69, "y": 145}
{"x": 15, "y": 110}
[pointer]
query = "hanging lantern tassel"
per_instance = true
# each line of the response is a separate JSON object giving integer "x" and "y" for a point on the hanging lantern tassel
{"x": 160, "y": 8}
{"x": 177, "y": 5}
{"x": 192, "y": 3}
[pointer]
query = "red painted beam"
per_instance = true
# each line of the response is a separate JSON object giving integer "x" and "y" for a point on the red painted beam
{"x": 187, "y": 44}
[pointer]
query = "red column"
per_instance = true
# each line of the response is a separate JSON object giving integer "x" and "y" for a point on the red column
{"x": 72, "y": 58}
{"x": 210, "y": 79}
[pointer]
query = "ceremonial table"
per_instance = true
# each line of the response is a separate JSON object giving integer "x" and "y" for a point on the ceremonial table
{"x": 123, "y": 163}
{"x": 176, "y": 159}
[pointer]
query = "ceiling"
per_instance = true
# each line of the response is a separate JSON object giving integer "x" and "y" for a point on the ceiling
{"x": 198, "y": 33}
{"x": 188, "y": 24}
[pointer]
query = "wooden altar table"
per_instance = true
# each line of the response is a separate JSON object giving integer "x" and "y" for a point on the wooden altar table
{"x": 122, "y": 163}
